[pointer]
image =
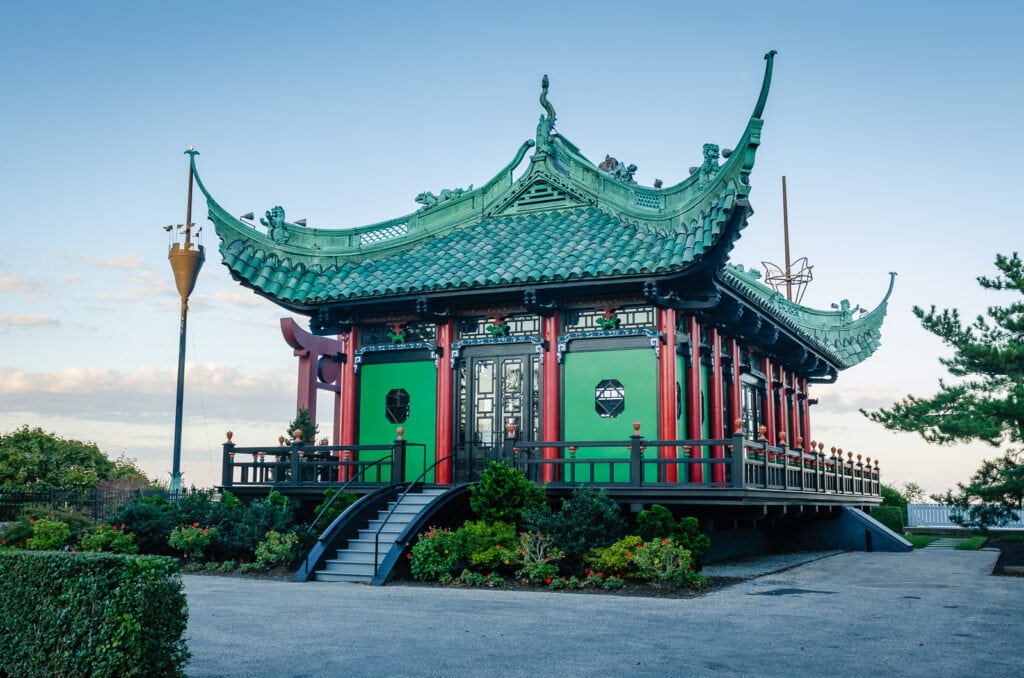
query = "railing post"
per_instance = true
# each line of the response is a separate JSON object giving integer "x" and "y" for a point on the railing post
{"x": 636, "y": 456}
{"x": 296, "y": 461}
{"x": 398, "y": 458}
{"x": 227, "y": 471}
{"x": 739, "y": 474}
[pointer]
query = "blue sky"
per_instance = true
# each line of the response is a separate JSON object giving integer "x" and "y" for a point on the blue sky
{"x": 894, "y": 123}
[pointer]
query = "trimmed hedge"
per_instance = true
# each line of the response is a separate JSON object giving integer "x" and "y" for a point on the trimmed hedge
{"x": 96, "y": 614}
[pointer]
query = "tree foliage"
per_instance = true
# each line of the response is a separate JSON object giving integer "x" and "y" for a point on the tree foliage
{"x": 986, "y": 401}
{"x": 30, "y": 457}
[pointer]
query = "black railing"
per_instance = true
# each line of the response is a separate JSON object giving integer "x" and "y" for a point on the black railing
{"x": 418, "y": 482}
{"x": 299, "y": 464}
{"x": 98, "y": 504}
{"x": 723, "y": 463}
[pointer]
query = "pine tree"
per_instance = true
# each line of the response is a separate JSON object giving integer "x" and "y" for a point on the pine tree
{"x": 303, "y": 422}
{"x": 985, "y": 402}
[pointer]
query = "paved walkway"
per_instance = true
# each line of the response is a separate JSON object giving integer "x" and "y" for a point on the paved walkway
{"x": 927, "y": 613}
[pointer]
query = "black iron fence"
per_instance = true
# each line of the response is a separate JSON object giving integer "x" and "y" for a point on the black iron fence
{"x": 97, "y": 504}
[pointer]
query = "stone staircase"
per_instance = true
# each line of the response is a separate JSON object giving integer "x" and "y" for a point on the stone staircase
{"x": 354, "y": 563}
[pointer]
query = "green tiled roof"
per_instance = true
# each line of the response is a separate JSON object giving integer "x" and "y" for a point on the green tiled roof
{"x": 571, "y": 244}
{"x": 845, "y": 340}
{"x": 564, "y": 219}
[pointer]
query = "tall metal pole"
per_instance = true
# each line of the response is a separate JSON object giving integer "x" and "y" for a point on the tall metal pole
{"x": 186, "y": 260}
{"x": 785, "y": 230}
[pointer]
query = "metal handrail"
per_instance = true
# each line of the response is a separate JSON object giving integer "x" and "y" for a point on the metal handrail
{"x": 342, "y": 489}
{"x": 398, "y": 502}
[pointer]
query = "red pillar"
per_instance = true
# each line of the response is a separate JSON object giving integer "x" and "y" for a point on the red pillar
{"x": 349, "y": 394}
{"x": 694, "y": 403}
{"x": 795, "y": 436}
{"x": 769, "y": 406}
{"x": 735, "y": 392}
{"x": 443, "y": 442}
{"x": 806, "y": 412}
{"x": 667, "y": 404}
{"x": 717, "y": 404}
{"x": 783, "y": 413}
{"x": 551, "y": 413}
{"x": 306, "y": 396}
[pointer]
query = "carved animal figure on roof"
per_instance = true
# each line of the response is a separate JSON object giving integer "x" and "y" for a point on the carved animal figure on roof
{"x": 274, "y": 222}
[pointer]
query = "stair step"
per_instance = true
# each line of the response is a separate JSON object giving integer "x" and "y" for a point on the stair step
{"x": 355, "y": 562}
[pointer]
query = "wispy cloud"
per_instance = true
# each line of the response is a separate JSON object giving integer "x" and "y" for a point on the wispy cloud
{"x": 16, "y": 322}
{"x": 148, "y": 394}
{"x": 119, "y": 261}
{"x": 144, "y": 285}
{"x": 12, "y": 282}
{"x": 241, "y": 297}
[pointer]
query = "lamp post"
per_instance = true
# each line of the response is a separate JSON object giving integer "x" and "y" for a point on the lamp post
{"x": 186, "y": 259}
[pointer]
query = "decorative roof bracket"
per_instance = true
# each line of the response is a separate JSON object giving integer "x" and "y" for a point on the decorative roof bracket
{"x": 424, "y": 311}
{"x": 698, "y": 301}
{"x": 331, "y": 320}
{"x": 532, "y": 305}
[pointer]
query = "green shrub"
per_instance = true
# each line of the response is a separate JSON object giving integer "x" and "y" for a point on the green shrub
{"x": 490, "y": 580}
{"x": 91, "y": 614}
{"x": 488, "y": 546}
{"x": 336, "y": 508}
{"x": 588, "y": 519}
{"x": 48, "y": 535}
{"x": 110, "y": 539}
{"x": 192, "y": 541}
{"x": 616, "y": 558}
{"x": 537, "y": 558}
{"x": 890, "y": 516}
{"x": 435, "y": 556}
{"x": 150, "y": 521}
{"x": 504, "y": 494}
{"x": 277, "y": 549}
{"x": 18, "y": 533}
{"x": 657, "y": 522}
{"x": 663, "y": 562}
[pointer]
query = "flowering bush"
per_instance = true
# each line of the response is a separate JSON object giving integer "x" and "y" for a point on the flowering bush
{"x": 48, "y": 535}
{"x": 665, "y": 563}
{"x": 538, "y": 558}
{"x": 110, "y": 539}
{"x": 192, "y": 541}
{"x": 435, "y": 555}
{"x": 615, "y": 558}
{"x": 488, "y": 546}
{"x": 470, "y": 578}
{"x": 277, "y": 548}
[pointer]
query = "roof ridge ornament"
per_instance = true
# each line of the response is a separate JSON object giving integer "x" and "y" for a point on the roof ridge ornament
{"x": 546, "y": 123}
{"x": 766, "y": 84}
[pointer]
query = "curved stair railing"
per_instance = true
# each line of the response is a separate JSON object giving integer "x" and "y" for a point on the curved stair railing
{"x": 415, "y": 484}
{"x": 365, "y": 505}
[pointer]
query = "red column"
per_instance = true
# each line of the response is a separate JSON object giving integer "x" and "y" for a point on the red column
{"x": 443, "y": 442}
{"x": 783, "y": 413}
{"x": 806, "y": 412}
{"x": 795, "y": 436}
{"x": 349, "y": 395}
{"x": 667, "y": 392}
{"x": 769, "y": 406}
{"x": 551, "y": 412}
{"x": 735, "y": 392}
{"x": 694, "y": 404}
{"x": 716, "y": 396}
{"x": 306, "y": 397}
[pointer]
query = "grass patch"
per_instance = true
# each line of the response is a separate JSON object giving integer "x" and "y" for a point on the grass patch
{"x": 972, "y": 543}
{"x": 919, "y": 541}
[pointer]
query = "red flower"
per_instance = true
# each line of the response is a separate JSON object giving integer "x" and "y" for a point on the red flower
{"x": 195, "y": 524}
{"x": 548, "y": 580}
{"x": 665, "y": 542}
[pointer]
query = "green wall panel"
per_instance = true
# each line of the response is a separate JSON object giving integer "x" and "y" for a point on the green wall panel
{"x": 636, "y": 370}
{"x": 419, "y": 379}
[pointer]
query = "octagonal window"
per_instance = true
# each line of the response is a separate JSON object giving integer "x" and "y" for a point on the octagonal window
{"x": 396, "y": 406}
{"x": 610, "y": 398}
